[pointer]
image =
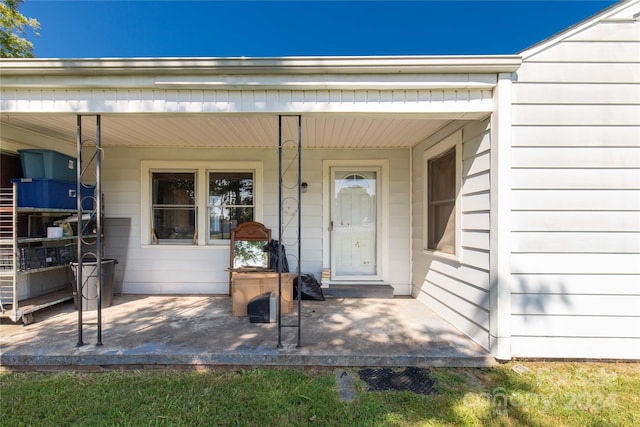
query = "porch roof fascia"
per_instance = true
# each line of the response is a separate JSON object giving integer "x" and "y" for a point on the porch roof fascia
{"x": 392, "y": 65}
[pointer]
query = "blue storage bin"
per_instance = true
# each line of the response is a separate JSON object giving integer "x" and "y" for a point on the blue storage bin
{"x": 48, "y": 164}
{"x": 51, "y": 194}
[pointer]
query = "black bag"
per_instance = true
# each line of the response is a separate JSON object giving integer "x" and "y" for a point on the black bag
{"x": 274, "y": 247}
{"x": 310, "y": 289}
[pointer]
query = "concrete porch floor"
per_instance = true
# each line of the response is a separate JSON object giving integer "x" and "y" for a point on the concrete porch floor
{"x": 190, "y": 331}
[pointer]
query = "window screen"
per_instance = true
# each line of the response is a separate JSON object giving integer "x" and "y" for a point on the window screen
{"x": 442, "y": 202}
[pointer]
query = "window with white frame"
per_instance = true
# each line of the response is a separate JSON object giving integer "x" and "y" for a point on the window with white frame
{"x": 174, "y": 207}
{"x": 198, "y": 202}
{"x": 230, "y": 202}
{"x": 442, "y": 188}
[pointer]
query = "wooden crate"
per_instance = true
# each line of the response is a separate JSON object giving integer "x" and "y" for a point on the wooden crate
{"x": 246, "y": 286}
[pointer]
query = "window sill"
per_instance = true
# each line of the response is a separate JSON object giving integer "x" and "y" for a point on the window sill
{"x": 442, "y": 255}
{"x": 186, "y": 247}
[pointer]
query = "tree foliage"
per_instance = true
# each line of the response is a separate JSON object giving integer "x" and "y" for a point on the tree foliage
{"x": 14, "y": 27}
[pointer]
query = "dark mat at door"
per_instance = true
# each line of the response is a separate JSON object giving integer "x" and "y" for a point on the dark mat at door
{"x": 358, "y": 291}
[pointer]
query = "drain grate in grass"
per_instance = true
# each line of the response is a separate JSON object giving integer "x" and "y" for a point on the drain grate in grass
{"x": 412, "y": 379}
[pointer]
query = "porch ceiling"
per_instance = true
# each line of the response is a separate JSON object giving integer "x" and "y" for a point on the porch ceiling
{"x": 227, "y": 131}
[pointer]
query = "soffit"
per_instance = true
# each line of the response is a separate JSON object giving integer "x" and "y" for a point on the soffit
{"x": 231, "y": 131}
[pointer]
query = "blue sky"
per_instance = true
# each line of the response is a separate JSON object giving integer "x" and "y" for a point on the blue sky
{"x": 101, "y": 28}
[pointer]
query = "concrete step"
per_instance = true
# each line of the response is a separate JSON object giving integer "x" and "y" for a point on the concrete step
{"x": 358, "y": 291}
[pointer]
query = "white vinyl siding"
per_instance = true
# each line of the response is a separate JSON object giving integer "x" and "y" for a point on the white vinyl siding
{"x": 463, "y": 101}
{"x": 157, "y": 269}
{"x": 457, "y": 289}
{"x": 591, "y": 51}
{"x": 575, "y": 237}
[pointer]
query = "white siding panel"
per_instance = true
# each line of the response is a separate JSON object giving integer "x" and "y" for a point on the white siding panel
{"x": 594, "y": 200}
{"x": 478, "y": 333}
{"x": 474, "y": 313}
{"x": 475, "y": 258}
{"x": 576, "y": 242}
{"x": 476, "y": 202}
{"x": 584, "y": 284}
{"x": 127, "y": 197}
{"x": 475, "y": 146}
{"x": 476, "y": 183}
{"x": 576, "y": 197}
{"x": 458, "y": 289}
{"x": 597, "y": 221}
{"x": 165, "y": 274}
{"x": 576, "y": 326}
{"x": 576, "y": 348}
{"x": 579, "y": 73}
{"x": 125, "y": 100}
{"x": 476, "y": 277}
{"x": 176, "y": 288}
{"x": 120, "y": 210}
{"x": 472, "y": 294}
{"x": 576, "y": 305}
{"x": 580, "y": 115}
{"x": 475, "y": 165}
{"x": 475, "y": 129}
{"x": 591, "y": 51}
{"x": 578, "y": 179}
{"x": 476, "y": 239}
{"x": 576, "y": 136}
{"x": 608, "y": 32}
{"x": 201, "y": 269}
{"x": 575, "y": 263}
{"x": 574, "y": 157}
{"x": 576, "y": 94}
{"x": 476, "y": 221}
{"x": 158, "y": 256}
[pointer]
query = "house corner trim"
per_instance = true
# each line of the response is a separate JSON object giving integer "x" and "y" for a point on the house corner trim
{"x": 500, "y": 268}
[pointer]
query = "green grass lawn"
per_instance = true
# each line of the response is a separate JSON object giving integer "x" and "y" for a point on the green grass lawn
{"x": 546, "y": 394}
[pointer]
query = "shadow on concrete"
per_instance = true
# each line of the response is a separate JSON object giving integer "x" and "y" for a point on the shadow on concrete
{"x": 139, "y": 331}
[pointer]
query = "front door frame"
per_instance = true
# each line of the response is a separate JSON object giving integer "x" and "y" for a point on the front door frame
{"x": 382, "y": 240}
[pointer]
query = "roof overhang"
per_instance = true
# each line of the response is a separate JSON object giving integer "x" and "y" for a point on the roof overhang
{"x": 348, "y": 102}
{"x": 284, "y": 65}
{"x": 289, "y": 73}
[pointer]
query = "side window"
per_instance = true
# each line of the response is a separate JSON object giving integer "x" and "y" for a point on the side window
{"x": 441, "y": 203}
{"x": 173, "y": 207}
{"x": 230, "y": 202}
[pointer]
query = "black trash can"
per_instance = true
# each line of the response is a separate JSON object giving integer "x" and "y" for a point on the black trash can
{"x": 90, "y": 282}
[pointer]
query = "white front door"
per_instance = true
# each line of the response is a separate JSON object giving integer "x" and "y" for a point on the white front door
{"x": 355, "y": 211}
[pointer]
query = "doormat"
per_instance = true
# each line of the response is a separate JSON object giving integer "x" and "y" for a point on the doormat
{"x": 416, "y": 380}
